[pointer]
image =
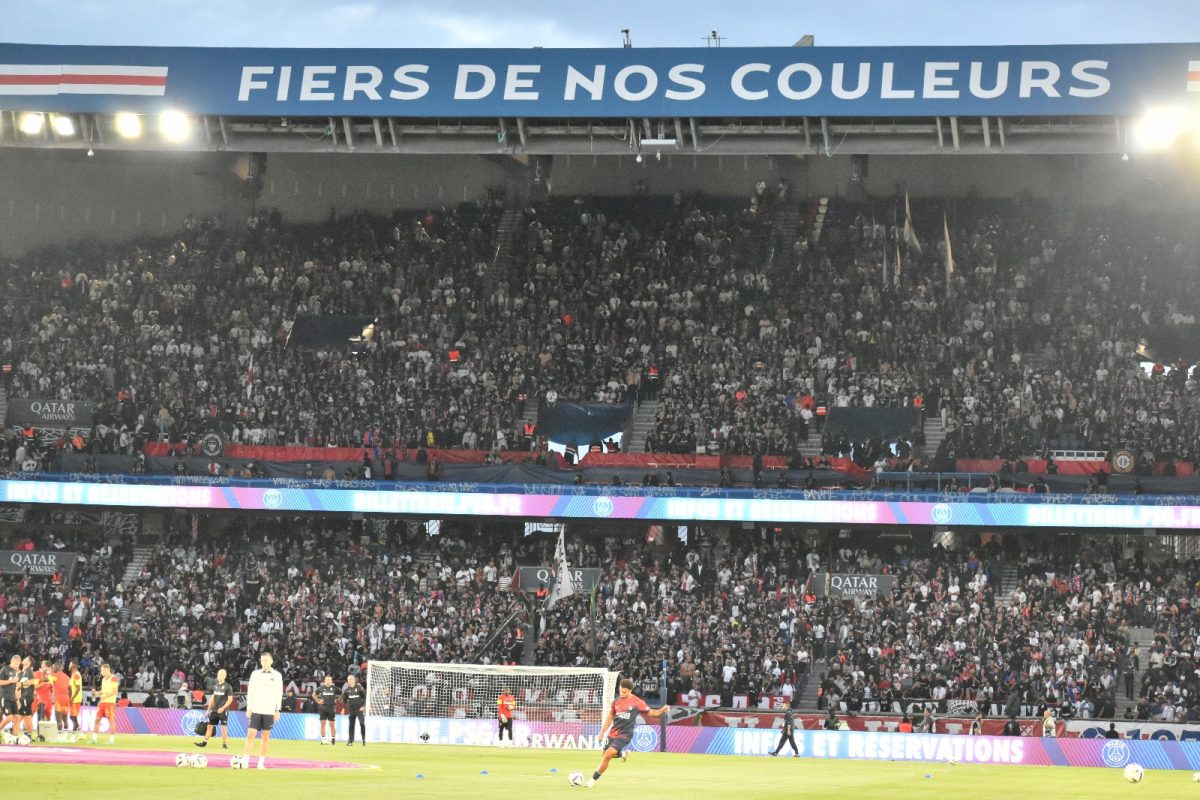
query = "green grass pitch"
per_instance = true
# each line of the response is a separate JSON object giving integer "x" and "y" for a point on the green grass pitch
{"x": 456, "y": 772}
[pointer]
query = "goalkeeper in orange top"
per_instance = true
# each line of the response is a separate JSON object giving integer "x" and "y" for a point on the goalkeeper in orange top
{"x": 506, "y": 704}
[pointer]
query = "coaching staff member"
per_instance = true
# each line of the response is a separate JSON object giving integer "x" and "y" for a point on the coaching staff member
{"x": 788, "y": 734}
{"x": 355, "y": 701}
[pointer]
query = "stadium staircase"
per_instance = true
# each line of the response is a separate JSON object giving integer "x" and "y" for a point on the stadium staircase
{"x": 806, "y": 699}
{"x": 1144, "y": 639}
{"x": 811, "y": 447}
{"x": 935, "y": 434}
{"x": 505, "y": 230}
{"x": 641, "y": 425}
{"x": 788, "y": 221}
{"x": 1010, "y": 576}
{"x": 133, "y": 569}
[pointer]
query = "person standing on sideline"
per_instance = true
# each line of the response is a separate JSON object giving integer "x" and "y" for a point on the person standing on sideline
{"x": 9, "y": 677}
{"x": 355, "y": 701}
{"x": 263, "y": 701}
{"x": 26, "y": 693}
{"x": 977, "y": 725}
{"x": 62, "y": 701}
{"x": 43, "y": 698}
{"x": 1048, "y": 724}
{"x": 787, "y": 735}
{"x": 75, "y": 686}
{"x": 506, "y": 704}
{"x": 326, "y": 696}
{"x": 107, "y": 709}
{"x": 218, "y": 711}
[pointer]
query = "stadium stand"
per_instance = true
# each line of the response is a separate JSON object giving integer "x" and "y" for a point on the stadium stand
{"x": 735, "y": 615}
{"x": 740, "y": 335}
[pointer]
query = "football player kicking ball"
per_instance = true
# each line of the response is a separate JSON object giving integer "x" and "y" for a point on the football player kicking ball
{"x": 619, "y": 724}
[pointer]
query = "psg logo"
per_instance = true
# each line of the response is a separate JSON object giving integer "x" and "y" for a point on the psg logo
{"x": 1123, "y": 462}
{"x": 941, "y": 513}
{"x": 645, "y": 739}
{"x": 189, "y": 721}
{"x": 1115, "y": 753}
{"x": 602, "y": 507}
{"x": 272, "y": 498}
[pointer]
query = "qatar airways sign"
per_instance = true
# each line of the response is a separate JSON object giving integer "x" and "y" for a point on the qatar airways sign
{"x": 37, "y": 562}
{"x": 1028, "y": 80}
{"x": 843, "y": 586}
{"x": 62, "y": 414}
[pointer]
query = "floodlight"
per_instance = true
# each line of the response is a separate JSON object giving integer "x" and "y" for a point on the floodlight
{"x": 128, "y": 125}
{"x": 62, "y": 125}
{"x": 1159, "y": 128}
{"x": 175, "y": 126}
{"x": 31, "y": 123}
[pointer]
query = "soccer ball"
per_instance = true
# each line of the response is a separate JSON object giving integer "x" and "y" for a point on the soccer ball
{"x": 199, "y": 761}
{"x": 239, "y": 762}
{"x": 575, "y": 779}
{"x": 181, "y": 760}
{"x": 24, "y": 740}
{"x": 1134, "y": 773}
{"x": 1196, "y": 777}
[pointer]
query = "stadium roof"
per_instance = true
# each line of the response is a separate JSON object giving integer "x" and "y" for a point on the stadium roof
{"x": 777, "y": 100}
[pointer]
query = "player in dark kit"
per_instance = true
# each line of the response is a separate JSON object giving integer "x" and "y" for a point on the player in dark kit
{"x": 218, "y": 711}
{"x": 326, "y": 696}
{"x": 26, "y": 688}
{"x": 788, "y": 734}
{"x": 619, "y": 724}
{"x": 355, "y": 701}
{"x": 9, "y": 677}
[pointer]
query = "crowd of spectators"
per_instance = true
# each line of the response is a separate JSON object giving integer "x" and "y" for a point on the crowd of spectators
{"x": 734, "y": 615}
{"x": 1170, "y": 686}
{"x": 741, "y": 331}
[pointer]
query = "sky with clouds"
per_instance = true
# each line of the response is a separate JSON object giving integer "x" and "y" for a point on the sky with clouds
{"x": 568, "y": 23}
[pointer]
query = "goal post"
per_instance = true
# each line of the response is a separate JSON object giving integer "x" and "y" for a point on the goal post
{"x": 456, "y": 703}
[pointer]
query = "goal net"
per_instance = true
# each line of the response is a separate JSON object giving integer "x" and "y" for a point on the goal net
{"x": 456, "y": 703}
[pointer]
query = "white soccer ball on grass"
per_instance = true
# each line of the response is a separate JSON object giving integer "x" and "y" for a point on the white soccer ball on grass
{"x": 1134, "y": 773}
{"x": 181, "y": 760}
{"x": 575, "y": 779}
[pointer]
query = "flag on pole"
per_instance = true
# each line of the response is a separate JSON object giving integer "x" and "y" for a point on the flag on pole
{"x": 885, "y": 266}
{"x": 896, "y": 278}
{"x": 949, "y": 253}
{"x": 250, "y": 378}
{"x": 910, "y": 235}
{"x": 562, "y": 581}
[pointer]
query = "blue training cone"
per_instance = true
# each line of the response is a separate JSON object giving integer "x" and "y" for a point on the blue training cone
{"x": 422, "y": 775}
{"x": 554, "y": 769}
{"x": 483, "y": 772}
